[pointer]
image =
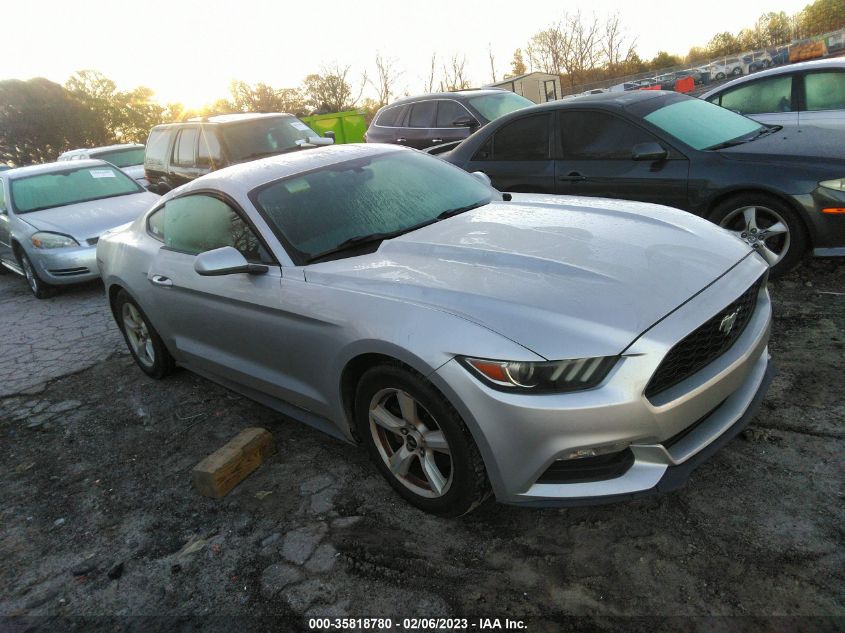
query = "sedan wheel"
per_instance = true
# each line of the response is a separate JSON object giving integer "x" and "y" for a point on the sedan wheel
{"x": 143, "y": 341}
{"x": 419, "y": 442}
{"x": 411, "y": 443}
{"x": 40, "y": 289}
{"x": 768, "y": 226}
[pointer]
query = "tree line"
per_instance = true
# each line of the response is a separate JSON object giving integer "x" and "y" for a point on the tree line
{"x": 39, "y": 118}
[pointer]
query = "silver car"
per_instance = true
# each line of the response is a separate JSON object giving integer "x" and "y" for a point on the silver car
{"x": 52, "y": 215}
{"x": 550, "y": 350}
{"x": 128, "y": 156}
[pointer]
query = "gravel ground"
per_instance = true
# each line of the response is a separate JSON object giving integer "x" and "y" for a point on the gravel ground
{"x": 99, "y": 518}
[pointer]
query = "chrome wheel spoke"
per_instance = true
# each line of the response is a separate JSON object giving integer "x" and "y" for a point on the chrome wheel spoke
{"x": 436, "y": 441}
{"x": 432, "y": 474}
{"x": 400, "y": 462}
{"x": 408, "y": 406}
{"x": 776, "y": 229}
{"x": 386, "y": 420}
{"x": 770, "y": 256}
{"x": 149, "y": 351}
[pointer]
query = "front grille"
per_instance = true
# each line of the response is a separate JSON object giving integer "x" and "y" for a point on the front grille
{"x": 68, "y": 272}
{"x": 705, "y": 344}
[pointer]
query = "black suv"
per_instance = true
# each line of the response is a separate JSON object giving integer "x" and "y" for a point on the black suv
{"x": 442, "y": 117}
{"x": 180, "y": 152}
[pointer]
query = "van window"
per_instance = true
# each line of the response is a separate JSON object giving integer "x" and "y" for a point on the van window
{"x": 183, "y": 152}
{"x": 208, "y": 153}
{"x": 387, "y": 118}
{"x": 157, "y": 146}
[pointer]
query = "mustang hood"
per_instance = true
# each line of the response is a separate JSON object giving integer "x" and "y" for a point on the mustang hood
{"x": 565, "y": 277}
{"x": 87, "y": 220}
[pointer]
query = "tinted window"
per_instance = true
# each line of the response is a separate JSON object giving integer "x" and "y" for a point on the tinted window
{"x": 157, "y": 146}
{"x": 523, "y": 139}
{"x": 70, "y": 186}
{"x": 183, "y": 152}
{"x": 387, "y": 118}
{"x": 448, "y": 111}
{"x": 208, "y": 153}
{"x": 195, "y": 224}
{"x": 825, "y": 91}
{"x": 598, "y": 135}
{"x": 397, "y": 191}
{"x": 765, "y": 95}
{"x": 422, "y": 114}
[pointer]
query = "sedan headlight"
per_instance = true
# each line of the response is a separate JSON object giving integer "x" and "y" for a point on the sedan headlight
{"x": 52, "y": 240}
{"x": 541, "y": 377}
{"x": 836, "y": 183}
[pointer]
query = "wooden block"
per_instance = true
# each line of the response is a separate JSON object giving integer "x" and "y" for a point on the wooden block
{"x": 226, "y": 467}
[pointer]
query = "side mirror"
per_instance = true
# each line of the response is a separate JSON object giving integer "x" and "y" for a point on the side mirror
{"x": 650, "y": 151}
{"x": 465, "y": 121}
{"x": 480, "y": 175}
{"x": 330, "y": 134}
{"x": 225, "y": 261}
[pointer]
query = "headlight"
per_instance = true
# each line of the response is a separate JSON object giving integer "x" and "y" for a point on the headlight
{"x": 541, "y": 377}
{"x": 836, "y": 183}
{"x": 52, "y": 240}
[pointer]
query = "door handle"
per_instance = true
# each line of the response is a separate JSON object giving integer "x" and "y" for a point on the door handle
{"x": 573, "y": 176}
{"x": 161, "y": 280}
{"x": 401, "y": 139}
{"x": 435, "y": 141}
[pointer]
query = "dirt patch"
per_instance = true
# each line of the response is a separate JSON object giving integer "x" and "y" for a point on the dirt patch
{"x": 99, "y": 516}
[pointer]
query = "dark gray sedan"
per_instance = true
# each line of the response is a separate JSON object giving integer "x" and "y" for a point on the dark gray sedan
{"x": 780, "y": 189}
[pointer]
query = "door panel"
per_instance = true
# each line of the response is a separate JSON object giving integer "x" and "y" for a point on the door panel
{"x": 595, "y": 160}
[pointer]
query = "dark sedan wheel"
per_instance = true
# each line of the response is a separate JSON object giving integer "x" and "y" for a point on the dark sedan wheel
{"x": 419, "y": 442}
{"x": 143, "y": 341}
{"x": 39, "y": 287}
{"x": 768, "y": 225}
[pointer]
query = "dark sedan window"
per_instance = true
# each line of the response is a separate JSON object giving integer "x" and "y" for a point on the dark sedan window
{"x": 422, "y": 114}
{"x": 195, "y": 224}
{"x": 598, "y": 135}
{"x": 318, "y": 211}
{"x": 524, "y": 139}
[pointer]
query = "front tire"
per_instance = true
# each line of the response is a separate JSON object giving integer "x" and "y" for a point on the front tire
{"x": 769, "y": 225}
{"x": 141, "y": 338}
{"x": 40, "y": 288}
{"x": 419, "y": 442}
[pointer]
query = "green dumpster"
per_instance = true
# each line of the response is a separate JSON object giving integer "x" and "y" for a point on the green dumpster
{"x": 348, "y": 127}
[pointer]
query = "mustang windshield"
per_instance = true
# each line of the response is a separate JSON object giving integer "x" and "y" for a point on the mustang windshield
{"x": 704, "y": 125}
{"x": 365, "y": 200}
{"x": 69, "y": 186}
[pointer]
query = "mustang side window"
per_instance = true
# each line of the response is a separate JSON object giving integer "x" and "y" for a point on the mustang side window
{"x": 195, "y": 224}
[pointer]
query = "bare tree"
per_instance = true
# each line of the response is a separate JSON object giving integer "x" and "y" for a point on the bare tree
{"x": 386, "y": 76}
{"x": 330, "y": 91}
{"x": 454, "y": 77}
{"x": 429, "y": 84}
{"x": 616, "y": 48}
{"x": 492, "y": 62}
{"x": 571, "y": 47}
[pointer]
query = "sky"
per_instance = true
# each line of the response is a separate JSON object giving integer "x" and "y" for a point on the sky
{"x": 188, "y": 51}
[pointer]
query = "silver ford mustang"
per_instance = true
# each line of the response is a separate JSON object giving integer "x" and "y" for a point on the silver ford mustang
{"x": 550, "y": 350}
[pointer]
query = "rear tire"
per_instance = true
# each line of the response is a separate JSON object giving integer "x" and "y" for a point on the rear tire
{"x": 405, "y": 422}
{"x": 141, "y": 338}
{"x": 780, "y": 236}
{"x": 40, "y": 288}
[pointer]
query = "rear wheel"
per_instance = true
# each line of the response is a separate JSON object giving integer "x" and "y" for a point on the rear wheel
{"x": 419, "y": 442}
{"x": 773, "y": 229}
{"x": 141, "y": 338}
{"x": 40, "y": 288}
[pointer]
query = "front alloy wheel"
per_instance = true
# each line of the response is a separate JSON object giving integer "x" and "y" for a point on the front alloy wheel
{"x": 418, "y": 441}
{"x": 143, "y": 341}
{"x": 411, "y": 443}
{"x": 768, "y": 226}
{"x": 40, "y": 289}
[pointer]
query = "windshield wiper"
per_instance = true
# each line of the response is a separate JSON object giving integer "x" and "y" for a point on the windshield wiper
{"x": 450, "y": 212}
{"x": 358, "y": 240}
{"x": 764, "y": 131}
